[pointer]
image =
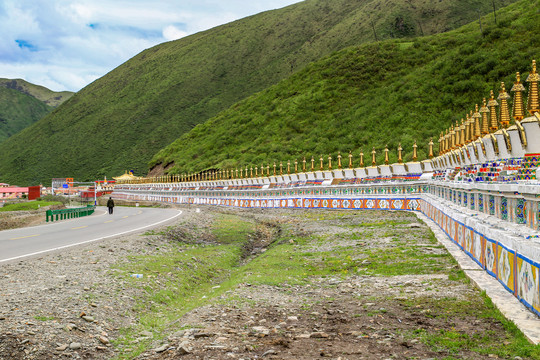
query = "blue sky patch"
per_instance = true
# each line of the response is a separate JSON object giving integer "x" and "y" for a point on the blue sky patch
{"x": 25, "y": 44}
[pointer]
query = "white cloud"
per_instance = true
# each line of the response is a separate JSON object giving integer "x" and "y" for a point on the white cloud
{"x": 171, "y": 32}
{"x": 66, "y": 44}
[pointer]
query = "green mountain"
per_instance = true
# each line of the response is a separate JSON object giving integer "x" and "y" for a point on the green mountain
{"x": 121, "y": 120}
{"x": 366, "y": 96}
{"x": 18, "y": 111}
{"x": 49, "y": 97}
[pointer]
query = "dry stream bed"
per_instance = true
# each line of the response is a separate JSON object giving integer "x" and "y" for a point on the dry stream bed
{"x": 272, "y": 284}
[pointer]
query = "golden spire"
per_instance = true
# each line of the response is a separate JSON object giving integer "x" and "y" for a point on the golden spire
{"x": 457, "y": 130}
{"x": 257, "y": 171}
{"x": 476, "y": 122}
{"x": 304, "y": 165}
{"x": 274, "y": 168}
{"x": 399, "y": 156}
{"x": 295, "y": 166}
{"x": 386, "y": 159}
{"x": 415, "y": 151}
{"x": 251, "y": 172}
{"x": 281, "y": 168}
{"x": 504, "y": 115}
{"x": 493, "y": 122}
{"x": 441, "y": 144}
{"x": 518, "y": 108}
{"x": 468, "y": 131}
{"x": 463, "y": 140}
{"x": 312, "y": 163}
{"x": 329, "y": 162}
{"x": 288, "y": 167}
{"x": 451, "y": 138}
{"x": 267, "y": 169}
{"x": 242, "y": 173}
{"x": 431, "y": 148}
{"x": 361, "y": 159}
{"x": 236, "y": 176}
{"x": 339, "y": 160}
{"x": 533, "y": 103}
{"x": 484, "y": 112}
{"x": 350, "y": 159}
{"x": 373, "y": 162}
{"x": 321, "y": 160}
{"x": 227, "y": 173}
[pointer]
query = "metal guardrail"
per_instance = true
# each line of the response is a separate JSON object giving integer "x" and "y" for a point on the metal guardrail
{"x": 62, "y": 214}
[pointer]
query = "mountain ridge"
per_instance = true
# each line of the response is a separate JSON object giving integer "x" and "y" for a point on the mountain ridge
{"x": 47, "y": 96}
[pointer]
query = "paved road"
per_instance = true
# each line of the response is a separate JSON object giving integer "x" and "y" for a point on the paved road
{"x": 20, "y": 243}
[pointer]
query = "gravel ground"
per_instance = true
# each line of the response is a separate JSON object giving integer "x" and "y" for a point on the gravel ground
{"x": 72, "y": 304}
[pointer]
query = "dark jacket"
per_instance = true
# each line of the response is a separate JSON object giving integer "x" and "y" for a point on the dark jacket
{"x": 110, "y": 203}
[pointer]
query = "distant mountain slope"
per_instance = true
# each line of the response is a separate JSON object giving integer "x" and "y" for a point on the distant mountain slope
{"x": 363, "y": 97}
{"x": 121, "y": 120}
{"x": 49, "y": 97}
{"x": 18, "y": 111}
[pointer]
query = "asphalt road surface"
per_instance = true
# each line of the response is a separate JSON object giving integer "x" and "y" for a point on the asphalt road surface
{"x": 19, "y": 243}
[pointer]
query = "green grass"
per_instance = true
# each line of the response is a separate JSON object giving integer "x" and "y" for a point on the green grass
{"x": 187, "y": 276}
{"x": 183, "y": 278}
{"x": 366, "y": 96}
{"x": 30, "y": 205}
{"x": 122, "y": 120}
{"x": 18, "y": 111}
{"x": 485, "y": 343}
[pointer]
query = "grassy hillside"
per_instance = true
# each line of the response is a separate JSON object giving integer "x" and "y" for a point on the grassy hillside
{"x": 371, "y": 95}
{"x": 49, "y": 97}
{"x": 18, "y": 111}
{"x": 121, "y": 120}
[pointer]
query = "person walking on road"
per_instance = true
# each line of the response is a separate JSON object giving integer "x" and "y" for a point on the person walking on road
{"x": 110, "y": 205}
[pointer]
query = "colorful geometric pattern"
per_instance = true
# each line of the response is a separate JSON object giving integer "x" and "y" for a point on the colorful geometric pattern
{"x": 527, "y": 283}
{"x": 528, "y": 168}
{"x": 521, "y": 216}
{"x": 505, "y": 267}
{"x": 490, "y": 256}
{"x": 491, "y": 205}
{"x": 481, "y": 202}
{"x": 504, "y": 208}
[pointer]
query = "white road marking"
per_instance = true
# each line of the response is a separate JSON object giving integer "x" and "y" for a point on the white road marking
{"x": 93, "y": 240}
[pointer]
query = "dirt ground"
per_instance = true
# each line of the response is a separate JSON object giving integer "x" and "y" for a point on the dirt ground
{"x": 49, "y": 308}
{"x": 17, "y": 219}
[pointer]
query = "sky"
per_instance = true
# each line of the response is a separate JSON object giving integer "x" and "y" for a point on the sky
{"x": 67, "y": 44}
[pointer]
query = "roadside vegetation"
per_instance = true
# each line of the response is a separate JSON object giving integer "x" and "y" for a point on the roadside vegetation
{"x": 29, "y": 205}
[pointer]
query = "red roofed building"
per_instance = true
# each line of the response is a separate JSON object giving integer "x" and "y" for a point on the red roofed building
{"x": 13, "y": 192}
